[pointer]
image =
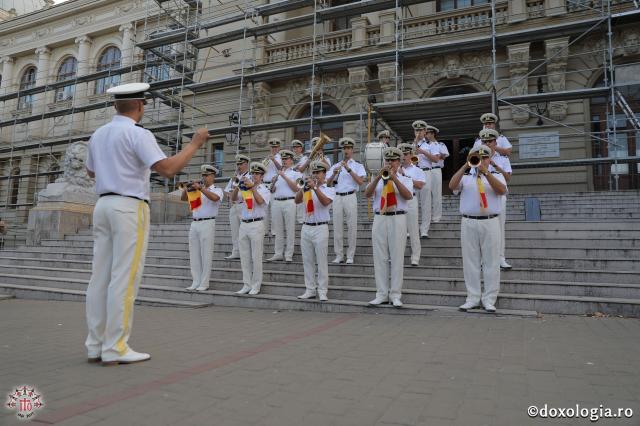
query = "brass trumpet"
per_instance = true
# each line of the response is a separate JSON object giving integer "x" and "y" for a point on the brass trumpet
{"x": 300, "y": 183}
{"x": 414, "y": 160}
{"x": 474, "y": 160}
{"x": 384, "y": 174}
{"x": 188, "y": 185}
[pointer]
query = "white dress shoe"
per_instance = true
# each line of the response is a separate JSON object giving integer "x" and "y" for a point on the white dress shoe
{"x": 129, "y": 358}
{"x": 423, "y": 236}
{"x": 323, "y": 297}
{"x": 490, "y": 308}
{"x": 288, "y": 260}
{"x": 233, "y": 256}
{"x": 397, "y": 303}
{"x": 414, "y": 263}
{"x": 338, "y": 259}
{"x": 244, "y": 290}
{"x": 379, "y": 301}
{"x": 274, "y": 258}
{"x": 307, "y": 295}
{"x": 191, "y": 288}
{"x": 202, "y": 288}
{"x": 469, "y": 305}
{"x": 504, "y": 265}
{"x": 254, "y": 291}
{"x": 349, "y": 261}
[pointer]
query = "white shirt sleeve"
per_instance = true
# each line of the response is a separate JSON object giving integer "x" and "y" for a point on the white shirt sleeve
{"x": 360, "y": 171}
{"x": 89, "y": 162}
{"x": 328, "y": 192}
{"x": 264, "y": 193}
{"x": 146, "y": 147}
{"x": 444, "y": 151}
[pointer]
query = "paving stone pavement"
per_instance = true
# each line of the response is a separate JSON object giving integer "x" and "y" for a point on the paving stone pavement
{"x": 232, "y": 366}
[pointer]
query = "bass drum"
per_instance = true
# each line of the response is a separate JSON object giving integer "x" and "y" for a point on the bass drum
{"x": 373, "y": 158}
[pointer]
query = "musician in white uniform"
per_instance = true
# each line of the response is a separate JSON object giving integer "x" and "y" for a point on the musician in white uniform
{"x": 480, "y": 191}
{"x": 203, "y": 227}
{"x": 299, "y": 159}
{"x": 389, "y": 232}
{"x": 417, "y": 177}
{"x": 121, "y": 156}
{"x": 502, "y": 165}
{"x": 490, "y": 121}
{"x": 428, "y": 154}
{"x": 302, "y": 167}
{"x": 385, "y": 137}
{"x": 316, "y": 198}
{"x": 273, "y": 165}
{"x": 235, "y": 206}
{"x": 283, "y": 210}
{"x": 256, "y": 198}
{"x": 436, "y": 173}
{"x": 346, "y": 177}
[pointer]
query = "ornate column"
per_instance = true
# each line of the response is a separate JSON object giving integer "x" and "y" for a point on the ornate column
{"x": 260, "y": 43}
{"x": 556, "y": 73}
{"x": 128, "y": 45}
{"x": 387, "y": 79}
{"x": 517, "y": 11}
{"x": 387, "y": 27}
{"x": 359, "y": 32}
{"x": 555, "y": 7}
{"x": 84, "y": 47}
{"x": 43, "y": 55}
{"x": 7, "y": 74}
{"x": 518, "y": 68}
{"x": 359, "y": 78}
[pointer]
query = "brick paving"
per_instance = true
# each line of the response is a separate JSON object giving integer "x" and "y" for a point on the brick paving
{"x": 232, "y": 366}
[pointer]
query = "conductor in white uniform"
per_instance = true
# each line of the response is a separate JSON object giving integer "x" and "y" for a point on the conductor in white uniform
{"x": 121, "y": 156}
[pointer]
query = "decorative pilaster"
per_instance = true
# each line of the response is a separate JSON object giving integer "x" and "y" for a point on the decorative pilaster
{"x": 260, "y": 43}
{"x": 387, "y": 27}
{"x": 262, "y": 102}
{"x": 555, "y": 7}
{"x": 7, "y": 74}
{"x": 44, "y": 56}
{"x": 359, "y": 32}
{"x": 128, "y": 45}
{"x": 518, "y": 68}
{"x": 359, "y": 78}
{"x": 84, "y": 47}
{"x": 556, "y": 72}
{"x": 387, "y": 79}
{"x": 517, "y": 11}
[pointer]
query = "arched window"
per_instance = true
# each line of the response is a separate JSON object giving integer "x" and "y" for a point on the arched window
{"x": 15, "y": 187}
{"x": 27, "y": 81}
{"x": 67, "y": 71}
{"x": 157, "y": 69}
{"x": 108, "y": 60}
{"x": 333, "y": 130}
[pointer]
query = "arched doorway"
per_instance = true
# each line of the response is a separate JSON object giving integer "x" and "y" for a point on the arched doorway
{"x": 627, "y": 140}
{"x": 333, "y": 130}
{"x": 459, "y": 145}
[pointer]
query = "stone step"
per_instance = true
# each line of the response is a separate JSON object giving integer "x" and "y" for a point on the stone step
{"x": 54, "y": 293}
{"x": 181, "y": 257}
{"x": 561, "y": 304}
{"x": 261, "y": 301}
{"x": 430, "y": 247}
{"x": 7, "y": 296}
{"x": 445, "y": 240}
{"x": 180, "y": 277}
{"x": 223, "y": 232}
{"x": 232, "y": 268}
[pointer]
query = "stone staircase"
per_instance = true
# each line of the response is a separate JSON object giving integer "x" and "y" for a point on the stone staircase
{"x": 583, "y": 257}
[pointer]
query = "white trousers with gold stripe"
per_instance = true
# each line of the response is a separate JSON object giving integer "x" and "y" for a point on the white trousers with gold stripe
{"x": 121, "y": 231}
{"x": 201, "y": 238}
{"x": 251, "y": 244}
{"x": 389, "y": 235}
{"x": 480, "y": 240}
{"x": 345, "y": 212}
{"x": 314, "y": 244}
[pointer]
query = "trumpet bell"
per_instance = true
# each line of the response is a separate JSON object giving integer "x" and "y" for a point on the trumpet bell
{"x": 385, "y": 174}
{"x": 414, "y": 160}
{"x": 473, "y": 160}
{"x": 300, "y": 183}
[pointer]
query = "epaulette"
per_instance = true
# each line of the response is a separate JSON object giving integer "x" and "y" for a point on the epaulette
{"x": 139, "y": 125}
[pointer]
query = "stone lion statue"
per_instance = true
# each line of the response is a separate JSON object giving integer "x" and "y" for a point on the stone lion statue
{"x": 74, "y": 170}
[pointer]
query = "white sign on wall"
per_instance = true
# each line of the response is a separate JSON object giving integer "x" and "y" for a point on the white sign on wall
{"x": 539, "y": 145}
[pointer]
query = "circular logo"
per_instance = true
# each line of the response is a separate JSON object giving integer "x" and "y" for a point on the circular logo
{"x": 25, "y": 400}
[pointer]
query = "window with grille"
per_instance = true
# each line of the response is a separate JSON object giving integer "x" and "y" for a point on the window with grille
{"x": 108, "y": 60}
{"x": 67, "y": 71}
{"x": 217, "y": 155}
{"x": 27, "y": 81}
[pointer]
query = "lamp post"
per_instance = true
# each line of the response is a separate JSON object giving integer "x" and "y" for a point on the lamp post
{"x": 232, "y": 137}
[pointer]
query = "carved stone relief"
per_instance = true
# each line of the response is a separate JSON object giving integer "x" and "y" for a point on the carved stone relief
{"x": 262, "y": 101}
{"x": 557, "y": 52}
{"x": 518, "y": 68}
